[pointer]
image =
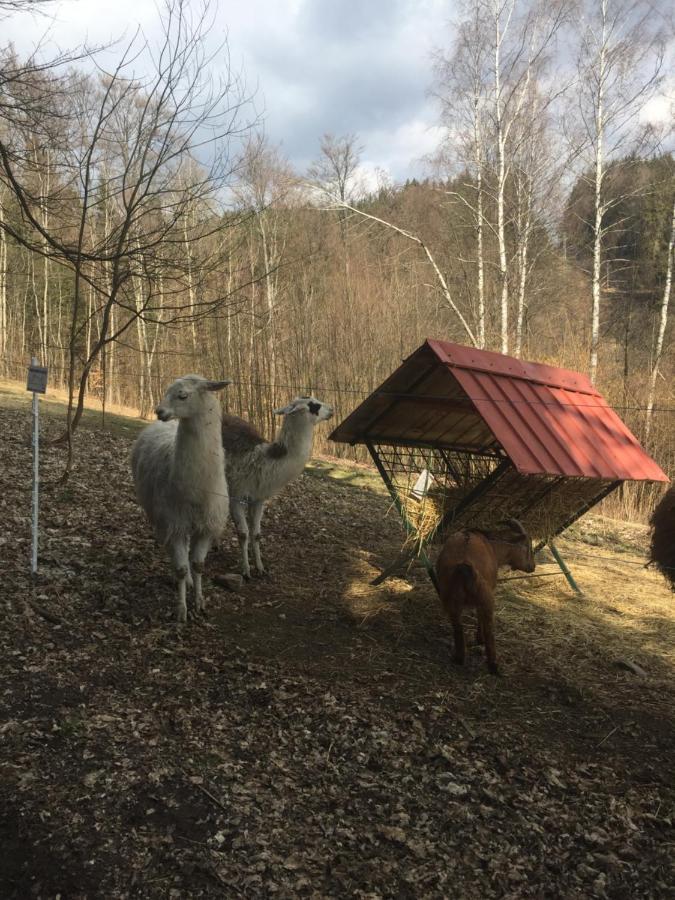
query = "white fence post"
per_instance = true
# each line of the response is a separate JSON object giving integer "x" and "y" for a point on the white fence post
{"x": 37, "y": 383}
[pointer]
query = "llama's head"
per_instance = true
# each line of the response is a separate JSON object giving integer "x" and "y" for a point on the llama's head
{"x": 306, "y": 409}
{"x": 183, "y": 399}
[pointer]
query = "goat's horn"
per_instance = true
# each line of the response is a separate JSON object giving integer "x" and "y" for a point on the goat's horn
{"x": 516, "y": 526}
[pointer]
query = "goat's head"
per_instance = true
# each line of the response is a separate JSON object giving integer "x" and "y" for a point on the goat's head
{"x": 521, "y": 553}
{"x": 183, "y": 398}
{"x": 307, "y": 409}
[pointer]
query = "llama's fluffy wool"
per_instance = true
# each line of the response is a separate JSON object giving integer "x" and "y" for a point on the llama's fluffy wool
{"x": 179, "y": 474}
{"x": 261, "y": 470}
{"x": 258, "y": 469}
{"x": 182, "y": 492}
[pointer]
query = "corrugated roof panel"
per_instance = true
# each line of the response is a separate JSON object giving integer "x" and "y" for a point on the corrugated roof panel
{"x": 537, "y": 404}
{"x": 521, "y": 442}
{"x": 457, "y": 355}
{"x": 562, "y": 428}
{"x": 549, "y": 421}
{"x": 579, "y": 424}
{"x": 613, "y": 441}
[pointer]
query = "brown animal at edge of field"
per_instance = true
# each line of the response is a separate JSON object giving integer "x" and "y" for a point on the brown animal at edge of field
{"x": 662, "y": 546}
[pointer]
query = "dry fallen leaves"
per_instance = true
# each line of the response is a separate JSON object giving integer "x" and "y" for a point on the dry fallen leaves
{"x": 261, "y": 756}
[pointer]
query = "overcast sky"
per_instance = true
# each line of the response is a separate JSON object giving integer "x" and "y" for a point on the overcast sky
{"x": 339, "y": 66}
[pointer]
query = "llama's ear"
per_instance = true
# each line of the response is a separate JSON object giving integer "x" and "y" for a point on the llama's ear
{"x": 216, "y": 385}
{"x": 284, "y": 411}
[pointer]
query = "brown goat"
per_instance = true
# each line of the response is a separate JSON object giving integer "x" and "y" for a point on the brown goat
{"x": 662, "y": 548}
{"x": 467, "y": 576}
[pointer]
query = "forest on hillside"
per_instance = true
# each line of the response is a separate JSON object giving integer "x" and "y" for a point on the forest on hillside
{"x": 149, "y": 227}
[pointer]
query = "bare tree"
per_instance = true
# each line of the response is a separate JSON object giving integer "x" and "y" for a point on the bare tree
{"x": 442, "y": 281}
{"x": 335, "y": 169}
{"x": 501, "y": 18}
{"x": 539, "y": 166}
{"x": 3, "y": 281}
{"x": 493, "y": 94}
{"x": 265, "y": 189}
{"x": 663, "y": 320}
{"x": 335, "y": 173}
{"x": 165, "y": 142}
{"x": 461, "y": 87}
{"x": 619, "y": 69}
{"x": 11, "y": 7}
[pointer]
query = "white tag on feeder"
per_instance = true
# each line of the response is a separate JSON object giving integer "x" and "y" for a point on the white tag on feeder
{"x": 423, "y": 484}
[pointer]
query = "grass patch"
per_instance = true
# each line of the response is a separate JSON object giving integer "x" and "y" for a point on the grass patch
{"x": 347, "y": 473}
{"x": 54, "y": 407}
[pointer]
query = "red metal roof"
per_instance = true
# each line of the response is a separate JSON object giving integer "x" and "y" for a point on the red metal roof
{"x": 548, "y": 421}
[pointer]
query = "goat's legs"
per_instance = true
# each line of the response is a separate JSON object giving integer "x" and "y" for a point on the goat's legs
{"x": 256, "y": 509}
{"x": 200, "y": 548}
{"x": 486, "y": 624}
{"x": 238, "y": 513}
{"x": 458, "y": 632}
{"x": 180, "y": 556}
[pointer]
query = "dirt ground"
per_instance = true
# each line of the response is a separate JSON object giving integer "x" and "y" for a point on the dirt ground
{"x": 312, "y": 739}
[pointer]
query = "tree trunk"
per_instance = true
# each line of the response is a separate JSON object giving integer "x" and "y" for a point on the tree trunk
{"x": 44, "y": 314}
{"x": 141, "y": 328}
{"x": 191, "y": 290}
{"x": 36, "y": 305}
{"x": 501, "y": 188}
{"x": 270, "y": 259}
{"x": 3, "y": 289}
{"x": 663, "y": 319}
{"x": 523, "y": 231}
{"x": 480, "y": 260}
{"x": 598, "y": 200}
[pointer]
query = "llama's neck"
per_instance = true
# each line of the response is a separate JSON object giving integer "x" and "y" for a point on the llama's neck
{"x": 296, "y": 436}
{"x": 198, "y": 455}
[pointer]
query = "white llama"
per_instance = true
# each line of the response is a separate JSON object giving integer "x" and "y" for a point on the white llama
{"x": 178, "y": 467}
{"x": 258, "y": 469}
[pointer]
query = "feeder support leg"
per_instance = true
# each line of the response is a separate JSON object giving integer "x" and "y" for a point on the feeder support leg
{"x": 428, "y": 565}
{"x": 564, "y": 568}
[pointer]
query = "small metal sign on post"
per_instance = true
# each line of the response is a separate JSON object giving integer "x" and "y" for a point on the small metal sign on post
{"x": 37, "y": 383}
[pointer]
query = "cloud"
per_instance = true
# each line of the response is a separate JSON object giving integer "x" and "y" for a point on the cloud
{"x": 347, "y": 67}
{"x": 399, "y": 154}
{"x": 659, "y": 110}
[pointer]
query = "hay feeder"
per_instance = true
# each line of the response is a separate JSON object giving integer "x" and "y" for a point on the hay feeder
{"x": 464, "y": 437}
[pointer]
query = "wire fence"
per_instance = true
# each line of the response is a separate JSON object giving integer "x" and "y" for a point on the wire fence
{"x": 132, "y": 375}
{"x": 579, "y": 556}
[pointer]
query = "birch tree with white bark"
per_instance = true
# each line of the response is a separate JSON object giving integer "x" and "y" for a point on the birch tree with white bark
{"x": 619, "y": 71}
{"x": 461, "y": 88}
{"x": 496, "y": 99}
{"x": 661, "y": 330}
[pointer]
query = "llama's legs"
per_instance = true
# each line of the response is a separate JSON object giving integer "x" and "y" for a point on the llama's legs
{"x": 200, "y": 547}
{"x": 238, "y": 513}
{"x": 256, "y": 509}
{"x": 180, "y": 556}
